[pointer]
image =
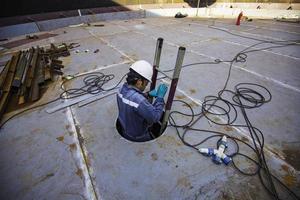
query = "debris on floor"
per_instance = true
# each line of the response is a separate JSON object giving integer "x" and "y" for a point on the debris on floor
{"x": 26, "y": 71}
{"x": 27, "y": 39}
{"x": 32, "y": 37}
{"x": 180, "y": 15}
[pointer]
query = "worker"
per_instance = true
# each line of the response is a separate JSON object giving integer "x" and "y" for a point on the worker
{"x": 136, "y": 113}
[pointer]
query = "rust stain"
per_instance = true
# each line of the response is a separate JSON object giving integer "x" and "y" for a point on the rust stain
{"x": 36, "y": 130}
{"x": 73, "y": 147}
{"x": 88, "y": 161}
{"x": 216, "y": 119}
{"x": 67, "y": 60}
{"x": 79, "y": 172}
{"x": 192, "y": 91}
{"x": 43, "y": 179}
{"x": 192, "y": 104}
{"x": 292, "y": 157}
{"x": 277, "y": 153}
{"x": 68, "y": 127}
{"x": 185, "y": 154}
{"x": 245, "y": 139}
{"x": 154, "y": 156}
{"x": 124, "y": 58}
{"x": 184, "y": 181}
{"x": 61, "y": 138}
{"x": 225, "y": 195}
{"x": 289, "y": 180}
{"x": 71, "y": 133}
{"x": 180, "y": 96}
{"x": 169, "y": 140}
{"x": 228, "y": 128}
{"x": 49, "y": 175}
{"x": 285, "y": 168}
{"x": 80, "y": 137}
{"x": 215, "y": 39}
{"x": 140, "y": 152}
{"x": 134, "y": 57}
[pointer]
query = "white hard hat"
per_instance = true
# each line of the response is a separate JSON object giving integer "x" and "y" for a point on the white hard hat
{"x": 143, "y": 68}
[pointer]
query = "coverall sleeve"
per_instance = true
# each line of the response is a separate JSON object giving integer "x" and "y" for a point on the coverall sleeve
{"x": 151, "y": 113}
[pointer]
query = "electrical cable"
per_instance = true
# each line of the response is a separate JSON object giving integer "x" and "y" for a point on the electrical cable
{"x": 92, "y": 84}
{"x": 243, "y": 94}
{"x": 258, "y": 163}
{"x": 261, "y": 40}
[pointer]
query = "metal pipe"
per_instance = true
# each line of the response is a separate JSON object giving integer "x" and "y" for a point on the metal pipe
{"x": 198, "y": 3}
{"x": 156, "y": 61}
{"x": 176, "y": 73}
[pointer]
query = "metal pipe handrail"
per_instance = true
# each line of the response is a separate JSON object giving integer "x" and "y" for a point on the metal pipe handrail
{"x": 176, "y": 73}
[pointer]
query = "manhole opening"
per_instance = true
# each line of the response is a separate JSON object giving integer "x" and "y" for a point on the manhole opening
{"x": 154, "y": 129}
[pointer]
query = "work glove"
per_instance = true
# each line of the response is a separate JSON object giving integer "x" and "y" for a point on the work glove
{"x": 153, "y": 93}
{"x": 162, "y": 90}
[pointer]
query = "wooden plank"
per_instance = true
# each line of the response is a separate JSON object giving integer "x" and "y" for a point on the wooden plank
{"x": 48, "y": 74}
{"x": 3, "y": 77}
{"x": 32, "y": 68}
{"x": 20, "y": 70}
{"x": 27, "y": 66}
{"x": 55, "y": 61}
{"x": 4, "y": 74}
{"x": 8, "y": 83}
{"x": 34, "y": 93}
{"x": 15, "y": 59}
{"x": 23, "y": 88}
{"x": 41, "y": 70}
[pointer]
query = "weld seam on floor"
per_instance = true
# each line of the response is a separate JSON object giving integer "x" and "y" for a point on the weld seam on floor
{"x": 241, "y": 32}
{"x": 264, "y": 28}
{"x": 87, "y": 171}
{"x": 254, "y": 73}
{"x": 235, "y": 66}
{"x": 110, "y": 45}
{"x": 276, "y": 53}
{"x": 103, "y": 68}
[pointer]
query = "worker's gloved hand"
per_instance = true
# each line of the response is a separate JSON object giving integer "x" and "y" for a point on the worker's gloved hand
{"x": 153, "y": 93}
{"x": 162, "y": 90}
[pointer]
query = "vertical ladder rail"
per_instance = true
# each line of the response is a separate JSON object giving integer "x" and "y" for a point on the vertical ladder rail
{"x": 156, "y": 61}
{"x": 176, "y": 73}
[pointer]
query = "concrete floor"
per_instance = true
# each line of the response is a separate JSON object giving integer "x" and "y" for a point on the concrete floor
{"x": 76, "y": 152}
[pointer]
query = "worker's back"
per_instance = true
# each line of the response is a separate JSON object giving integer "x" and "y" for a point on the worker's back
{"x": 136, "y": 114}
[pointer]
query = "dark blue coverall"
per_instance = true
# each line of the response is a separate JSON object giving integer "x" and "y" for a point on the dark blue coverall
{"x": 136, "y": 114}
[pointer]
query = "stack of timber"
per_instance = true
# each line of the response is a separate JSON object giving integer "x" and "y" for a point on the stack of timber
{"x": 27, "y": 70}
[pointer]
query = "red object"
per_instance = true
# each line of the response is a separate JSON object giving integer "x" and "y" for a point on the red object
{"x": 238, "y": 20}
